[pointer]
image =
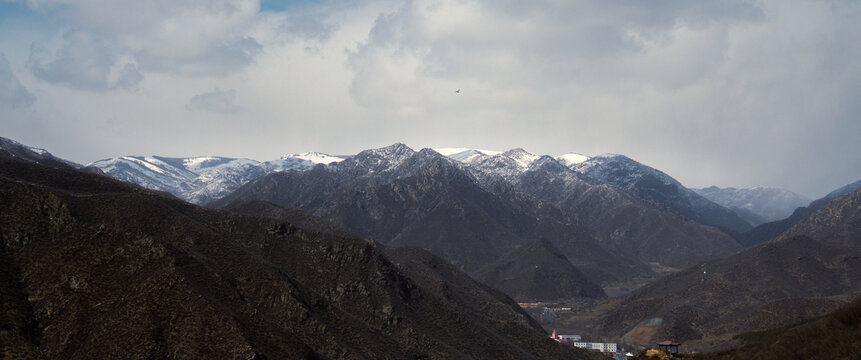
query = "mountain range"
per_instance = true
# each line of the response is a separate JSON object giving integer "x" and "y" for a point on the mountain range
{"x": 475, "y": 212}
{"x": 589, "y": 207}
{"x": 201, "y": 179}
{"x": 654, "y": 185}
{"x": 363, "y": 256}
{"x": 95, "y": 268}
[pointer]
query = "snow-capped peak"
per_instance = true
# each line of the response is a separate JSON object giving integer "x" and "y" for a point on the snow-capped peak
{"x": 571, "y": 159}
{"x": 314, "y": 157}
{"x": 465, "y": 154}
{"x": 522, "y": 157}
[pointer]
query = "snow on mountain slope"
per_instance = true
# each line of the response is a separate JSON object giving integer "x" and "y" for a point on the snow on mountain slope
{"x": 523, "y": 158}
{"x": 204, "y": 178}
{"x": 571, "y": 159}
{"x": 314, "y": 157}
{"x": 655, "y": 186}
{"x": 506, "y": 165}
{"x": 621, "y": 171}
{"x": 464, "y": 154}
{"x": 158, "y": 175}
{"x": 375, "y": 161}
{"x": 768, "y": 203}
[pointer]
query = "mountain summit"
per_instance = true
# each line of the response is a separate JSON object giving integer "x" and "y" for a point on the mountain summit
{"x": 655, "y": 186}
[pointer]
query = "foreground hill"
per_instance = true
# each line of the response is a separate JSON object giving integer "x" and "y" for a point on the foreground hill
{"x": 93, "y": 268}
{"x": 810, "y": 270}
{"x": 835, "y": 336}
{"x": 539, "y": 272}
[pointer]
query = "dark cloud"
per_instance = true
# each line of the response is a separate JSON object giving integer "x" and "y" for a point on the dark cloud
{"x": 218, "y": 58}
{"x": 86, "y": 61}
{"x": 216, "y": 101}
{"x": 13, "y": 95}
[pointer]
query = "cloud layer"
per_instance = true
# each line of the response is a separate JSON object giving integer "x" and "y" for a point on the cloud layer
{"x": 13, "y": 95}
{"x": 729, "y": 92}
{"x": 216, "y": 101}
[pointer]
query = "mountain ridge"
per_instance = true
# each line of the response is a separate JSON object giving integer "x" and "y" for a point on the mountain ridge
{"x": 105, "y": 269}
{"x": 469, "y": 213}
{"x": 201, "y": 179}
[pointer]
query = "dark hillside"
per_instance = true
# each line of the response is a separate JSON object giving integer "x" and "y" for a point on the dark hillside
{"x": 812, "y": 269}
{"x": 836, "y": 336}
{"x": 539, "y": 272}
{"x": 93, "y": 268}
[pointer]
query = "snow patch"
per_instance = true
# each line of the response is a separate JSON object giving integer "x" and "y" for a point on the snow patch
{"x": 572, "y": 159}
{"x": 465, "y": 154}
{"x": 143, "y": 163}
{"x": 521, "y": 157}
{"x": 196, "y": 162}
{"x": 314, "y": 157}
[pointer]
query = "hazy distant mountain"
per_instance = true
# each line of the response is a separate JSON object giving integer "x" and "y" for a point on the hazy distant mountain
{"x": 201, "y": 179}
{"x": 810, "y": 270}
{"x": 658, "y": 187}
{"x": 539, "y": 272}
{"x": 96, "y": 268}
{"x": 771, "y": 230}
{"x": 758, "y": 204}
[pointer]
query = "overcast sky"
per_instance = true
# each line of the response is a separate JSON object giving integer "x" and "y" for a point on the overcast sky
{"x": 730, "y": 93}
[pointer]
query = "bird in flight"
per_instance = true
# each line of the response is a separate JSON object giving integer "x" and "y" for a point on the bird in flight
{"x": 457, "y": 91}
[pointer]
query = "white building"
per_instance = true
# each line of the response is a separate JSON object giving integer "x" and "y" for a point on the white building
{"x": 570, "y": 337}
{"x": 597, "y": 346}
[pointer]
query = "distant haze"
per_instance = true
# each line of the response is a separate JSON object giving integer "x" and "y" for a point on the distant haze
{"x": 725, "y": 92}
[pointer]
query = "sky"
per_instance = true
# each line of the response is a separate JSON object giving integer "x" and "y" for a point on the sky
{"x": 722, "y": 92}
